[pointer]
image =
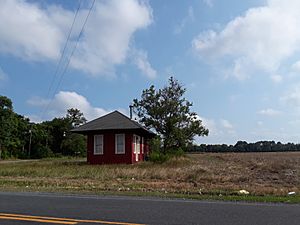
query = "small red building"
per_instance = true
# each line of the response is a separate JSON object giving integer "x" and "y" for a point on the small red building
{"x": 115, "y": 138}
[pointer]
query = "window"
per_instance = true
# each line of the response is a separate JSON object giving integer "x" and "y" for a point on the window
{"x": 120, "y": 143}
{"x": 136, "y": 143}
{"x": 98, "y": 144}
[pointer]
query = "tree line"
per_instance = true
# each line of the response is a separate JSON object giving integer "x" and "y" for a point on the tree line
{"x": 21, "y": 138}
{"x": 165, "y": 111}
{"x": 243, "y": 146}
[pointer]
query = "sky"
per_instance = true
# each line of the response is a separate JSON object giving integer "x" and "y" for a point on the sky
{"x": 238, "y": 60}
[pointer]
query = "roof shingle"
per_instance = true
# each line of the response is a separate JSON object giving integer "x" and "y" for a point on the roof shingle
{"x": 112, "y": 121}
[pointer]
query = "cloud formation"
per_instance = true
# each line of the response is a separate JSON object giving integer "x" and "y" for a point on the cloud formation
{"x": 263, "y": 38}
{"x": 107, "y": 36}
{"x": 34, "y": 33}
{"x": 219, "y": 130}
{"x": 269, "y": 112}
{"x": 292, "y": 97}
{"x": 189, "y": 17}
{"x": 65, "y": 100}
{"x": 276, "y": 78}
{"x": 140, "y": 59}
{"x": 38, "y": 33}
{"x": 226, "y": 124}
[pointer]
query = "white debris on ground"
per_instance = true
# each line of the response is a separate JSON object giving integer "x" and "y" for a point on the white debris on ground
{"x": 243, "y": 192}
{"x": 291, "y": 193}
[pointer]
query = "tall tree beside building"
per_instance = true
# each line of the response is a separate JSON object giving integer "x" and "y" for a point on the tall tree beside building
{"x": 168, "y": 112}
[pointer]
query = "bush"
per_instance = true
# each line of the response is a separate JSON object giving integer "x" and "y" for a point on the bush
{"x": 40, "y": 151}
{"x": 74, "y": 145}
{"x": 158, "y": 157}
{"x": 176, "y": 152}
{"x": 5, "y": 154}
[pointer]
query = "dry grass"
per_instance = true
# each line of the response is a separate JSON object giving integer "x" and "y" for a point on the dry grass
{"x": 260, "y": 173}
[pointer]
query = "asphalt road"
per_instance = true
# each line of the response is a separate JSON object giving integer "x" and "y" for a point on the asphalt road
{"x": 34, "y": 208}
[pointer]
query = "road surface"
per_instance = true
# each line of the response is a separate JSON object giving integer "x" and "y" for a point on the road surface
{"x": 35, "y": 208}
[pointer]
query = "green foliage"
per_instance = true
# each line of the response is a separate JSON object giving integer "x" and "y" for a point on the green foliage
{"x": 41, "y": 151}
{"x": 243, "y": 146}
{"x": 19, "y": 138}
{"x": 75, "y": 117}
{"x": 155, "y": 144}
{"x": 168, "y": 112}
{"x": 158, "y": 157}
{"x": 12, "y": 130}
{"x": 58, "y": 129}
{"x": 74, "y": 145}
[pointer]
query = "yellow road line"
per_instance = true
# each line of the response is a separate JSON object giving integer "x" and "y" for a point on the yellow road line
{"x": 36, "y": 220}
{"x": 75, "y": 221}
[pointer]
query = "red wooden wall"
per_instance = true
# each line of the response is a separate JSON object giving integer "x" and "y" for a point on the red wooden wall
{"x": 109, "y": 156}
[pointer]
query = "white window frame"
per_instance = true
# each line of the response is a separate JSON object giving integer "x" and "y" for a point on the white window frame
{"x": 136, "y": 144}
{"x": 100, "y": 145}
{"x": 142, "y": 145}
{"x": 116, "y": 144}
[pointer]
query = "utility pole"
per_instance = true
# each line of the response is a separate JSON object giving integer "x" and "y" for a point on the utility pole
{"x": 30, "y": 136}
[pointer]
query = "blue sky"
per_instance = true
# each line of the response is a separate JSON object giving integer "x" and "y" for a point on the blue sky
{"x": 239, "y": 60}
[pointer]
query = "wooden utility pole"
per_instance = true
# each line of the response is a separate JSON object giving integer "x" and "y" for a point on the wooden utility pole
{"x": 29, "y": 148}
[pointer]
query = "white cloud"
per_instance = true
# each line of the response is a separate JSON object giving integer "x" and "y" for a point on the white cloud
{"x": 38, "y": 33}
{"x": 260, "y": 123}
{"x": 32, "y": 33}
{"x": 262, "y": 38}
{"x": 220, "y": 131}
{"x": 209, "y": 124}
{"x": 292, "y": 97}
{"x": 189, "y": 17}
{"x": 65, "y": 100}
{"x": 296, "y": 67}
{"x": 108, "y": 33}
{"x": 276, "y": 78}
{"x": 269, "y": 112}
{"x": 140, "y": 59}
{"x": 226, "y": 124}
{"x": 209, "y": 3}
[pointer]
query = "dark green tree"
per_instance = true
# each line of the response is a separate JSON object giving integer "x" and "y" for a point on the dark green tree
{"x": 168, "y": 112}
{"x": 41, "y": 137}
{"x": 76, "y": 117}
{"x": 74, "y": 145}
{"x": 7, "y": 125}
{"x": 58, "y": 129}
{"x": 13, "y": 130}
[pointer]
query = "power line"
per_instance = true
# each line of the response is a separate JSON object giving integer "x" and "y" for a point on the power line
{"x": 61, "y": 59}
{"x": 72, "y": 53}
{"x": 75, "y": 46}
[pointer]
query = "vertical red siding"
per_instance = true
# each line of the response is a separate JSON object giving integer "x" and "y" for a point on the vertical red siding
{"x": 109, "y": 156}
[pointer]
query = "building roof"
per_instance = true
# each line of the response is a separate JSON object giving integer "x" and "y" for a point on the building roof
{"x": 112, "y": 121}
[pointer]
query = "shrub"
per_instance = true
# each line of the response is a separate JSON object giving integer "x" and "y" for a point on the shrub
{"x": 41, "y": 151}
{"x": 158, "y": 157}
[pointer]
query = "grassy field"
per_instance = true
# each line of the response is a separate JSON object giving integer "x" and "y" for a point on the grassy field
{"x": 267, "y": 176}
